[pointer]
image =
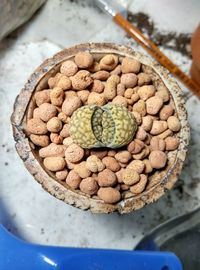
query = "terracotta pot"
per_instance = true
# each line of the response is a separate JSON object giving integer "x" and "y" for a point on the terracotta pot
{"x": 23, "y": 108}
{"x": 196, "y": 47}
{"x": 195, "y": 69}
{"x": 195, "y": 73}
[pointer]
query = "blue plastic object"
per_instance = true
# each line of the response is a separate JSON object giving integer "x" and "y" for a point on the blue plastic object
{"x": 147, "y": 244}
{"x": 16, "y": 254}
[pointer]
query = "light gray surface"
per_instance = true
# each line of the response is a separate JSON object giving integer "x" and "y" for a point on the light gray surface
{"x": 15, "y": 13}
{"x": 28, "y": 210}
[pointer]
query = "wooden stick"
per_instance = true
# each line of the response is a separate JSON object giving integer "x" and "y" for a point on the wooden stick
{"x": 154, "y": 51}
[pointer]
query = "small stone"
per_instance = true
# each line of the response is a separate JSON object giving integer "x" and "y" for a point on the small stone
{"x": 82, "y": 170}
{"x": 123, "y": 156}
{"x": 140, "y": 107}
{"x": 120, "y": 101}
{"x": 153, "y": 105}
{"x": 84, "y": 59}
{"x": 107, "y": 178}
{"x": 61, "y": 175}
{"x": 73, "y": 179}
{"x": 74, "y": 153}
{"x": 166, "y": 112}
{"x": 143, "y": 79}
{"x": 89, "y": 186}
{"x": 109, "y": 195}
{"x": 157, "y": 143}
{"x": 140, "y": 186}
{"x": 148, "y": 168}
{"x": 129, "y": 80}
{"x": 157, "y": 159}
{"x": 172, "y": 143}
{"x": 111, "y": 163}
{"x": 174, "y": 123}
{"x": 135, "y": 146}
{"x": 146, "y": 91}
{"x": 130, "y": 177}
{"x": 136, "y": 165}
{"x": 147, "y": 122}
{"x": 68, "y": 68}
{"x": 158, "y": 127}
{"x": 130, "y": 65}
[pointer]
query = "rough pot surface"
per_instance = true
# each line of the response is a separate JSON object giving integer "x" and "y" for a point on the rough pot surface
{"x": 23, "y": 106}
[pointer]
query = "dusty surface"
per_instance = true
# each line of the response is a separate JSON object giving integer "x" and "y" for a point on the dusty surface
{"x": 179, "y": 42}
{"x": 29, "y": 211}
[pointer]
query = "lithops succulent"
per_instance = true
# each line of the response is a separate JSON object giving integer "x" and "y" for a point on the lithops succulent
{"x": 124, "y": 127}
{"x": 110, "y": 125}
{"x": 81, "y": 128}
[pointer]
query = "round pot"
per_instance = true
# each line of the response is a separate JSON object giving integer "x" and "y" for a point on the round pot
{"x": 195, "y": 45}
{"x": 23, "y": 108}
{"x": 195, "y": 73}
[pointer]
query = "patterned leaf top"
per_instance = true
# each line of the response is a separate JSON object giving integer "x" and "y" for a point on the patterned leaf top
{"x": 111, "y": 126}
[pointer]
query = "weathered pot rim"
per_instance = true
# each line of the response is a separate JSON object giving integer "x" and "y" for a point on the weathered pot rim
{"x": 57, "y": 189}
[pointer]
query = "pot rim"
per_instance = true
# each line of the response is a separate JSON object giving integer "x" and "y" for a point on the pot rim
{"x": 55, "y": 187}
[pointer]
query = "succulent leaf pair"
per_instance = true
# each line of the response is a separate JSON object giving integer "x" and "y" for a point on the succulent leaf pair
{"x": 110, "y": 125}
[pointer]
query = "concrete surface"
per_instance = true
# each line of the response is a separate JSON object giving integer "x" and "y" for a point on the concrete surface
{"x": 26, "y": 209}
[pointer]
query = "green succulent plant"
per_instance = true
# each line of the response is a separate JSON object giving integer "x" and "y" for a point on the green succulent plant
{"x": 110, "y": 125}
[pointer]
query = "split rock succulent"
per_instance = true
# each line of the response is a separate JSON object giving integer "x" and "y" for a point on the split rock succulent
{"x": 110, "y": 125}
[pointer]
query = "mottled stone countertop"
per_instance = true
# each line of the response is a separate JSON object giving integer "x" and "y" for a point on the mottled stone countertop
{"x": 25, "y": 208}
